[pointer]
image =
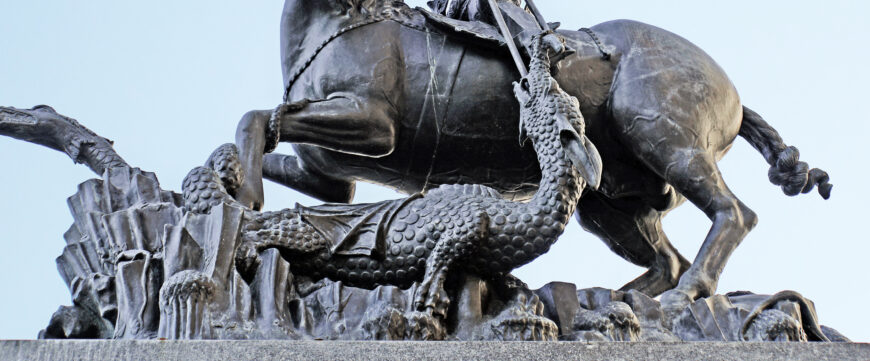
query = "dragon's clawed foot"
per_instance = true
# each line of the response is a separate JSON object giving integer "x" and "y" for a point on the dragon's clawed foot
{"x": 431, "y": 295}
{"x": 557, "y": 46}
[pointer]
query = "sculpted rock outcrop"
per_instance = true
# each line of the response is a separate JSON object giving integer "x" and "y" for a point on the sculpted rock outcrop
{"x": 177, "y": 279}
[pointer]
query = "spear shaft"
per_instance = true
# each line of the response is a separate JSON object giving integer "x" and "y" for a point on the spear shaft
{"x": 508, "y": 38}
{"x": 538, "y": 16}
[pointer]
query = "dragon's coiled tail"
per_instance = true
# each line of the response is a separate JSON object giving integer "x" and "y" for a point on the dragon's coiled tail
{"x": 786, "y": 169}
{"x": 211, "y": 185}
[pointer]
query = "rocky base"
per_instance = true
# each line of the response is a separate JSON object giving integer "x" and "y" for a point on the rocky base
{"x": 140, "y": 265}
{"x": 310, "y": 350}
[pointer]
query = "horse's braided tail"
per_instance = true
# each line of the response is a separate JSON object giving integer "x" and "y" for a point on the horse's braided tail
{"x": 786, "y": 169}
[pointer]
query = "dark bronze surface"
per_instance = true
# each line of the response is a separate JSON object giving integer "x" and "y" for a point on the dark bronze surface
{"x": 616, "y": 124}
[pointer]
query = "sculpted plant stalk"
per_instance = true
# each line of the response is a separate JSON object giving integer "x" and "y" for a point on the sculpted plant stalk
{"x": 468, "y": 228}
{"x": 44, "y": 126}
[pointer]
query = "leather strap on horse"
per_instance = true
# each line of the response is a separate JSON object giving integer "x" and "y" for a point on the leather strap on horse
{"x": 604, "y": 54}
{"x": 273, "y": 133}
{"x": 296, "y": 74}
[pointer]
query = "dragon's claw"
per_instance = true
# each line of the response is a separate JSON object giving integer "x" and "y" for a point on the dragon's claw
{"x": 431, "y": 296}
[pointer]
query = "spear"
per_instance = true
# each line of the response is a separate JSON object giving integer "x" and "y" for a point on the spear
{"x": 508, "y": 38}
{"x": 506, "y": 33}
{"x": 540, "y": 18}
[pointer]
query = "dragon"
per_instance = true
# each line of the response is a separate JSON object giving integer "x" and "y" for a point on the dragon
{"x": 422, "y": 238}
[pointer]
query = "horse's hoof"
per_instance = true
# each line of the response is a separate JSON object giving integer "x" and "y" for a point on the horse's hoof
{"x": 673, "y": 303}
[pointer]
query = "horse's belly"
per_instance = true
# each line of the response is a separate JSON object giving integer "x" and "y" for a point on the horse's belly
{"x": 497, "y": 163}
{"x": 473, "y": 129}
{"x": 476, "y": 141}
{"x": 460, "y": 120}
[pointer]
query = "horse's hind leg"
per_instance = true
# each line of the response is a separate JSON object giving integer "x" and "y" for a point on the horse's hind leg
{"x": 633, "y": 230}
{"x": 699, "y": 180}
{"x": 673, "y": 150}
{"x": 677, "y": 112}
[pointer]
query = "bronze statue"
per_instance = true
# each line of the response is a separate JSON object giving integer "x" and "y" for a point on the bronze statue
{"x": 427, "y": 104}
{"x": 418, "y": 101}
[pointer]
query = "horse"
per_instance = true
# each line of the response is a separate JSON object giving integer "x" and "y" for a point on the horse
{"x": 377, "y": 93}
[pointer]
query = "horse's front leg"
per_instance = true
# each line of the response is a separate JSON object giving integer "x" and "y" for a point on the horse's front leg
{"x": 292, "y": 171}
{"x": 251, "y": 141}
{"x": 343, "y": 123}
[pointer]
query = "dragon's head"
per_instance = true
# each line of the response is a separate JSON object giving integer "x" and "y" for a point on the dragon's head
{"x": 538, "y": 82}
{"x": 545, "y": 109}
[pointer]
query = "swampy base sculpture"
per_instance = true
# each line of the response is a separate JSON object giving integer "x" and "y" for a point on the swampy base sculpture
{"x": 414, "y": 100}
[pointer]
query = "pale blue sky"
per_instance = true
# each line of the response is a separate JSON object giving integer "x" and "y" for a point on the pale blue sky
{"x": 168, "y": 80}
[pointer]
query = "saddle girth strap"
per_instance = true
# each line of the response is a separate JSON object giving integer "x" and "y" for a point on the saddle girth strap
{"x": 604, "y": 54}
{"x": 298, "y": 72}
